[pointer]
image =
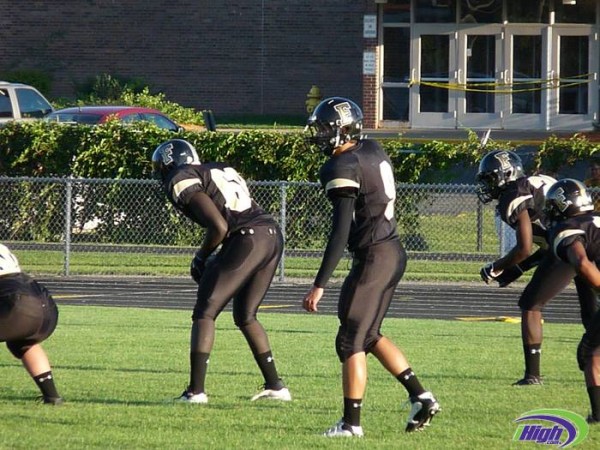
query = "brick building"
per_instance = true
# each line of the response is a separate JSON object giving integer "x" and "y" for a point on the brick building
{"x": 502, "y": 64}
{"x": 231, "y": 56}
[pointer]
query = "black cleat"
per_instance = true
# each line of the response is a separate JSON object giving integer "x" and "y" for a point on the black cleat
{"x": 529, "y": 380}
{"x": 423, "y": 408}
{"x": 592, "y": 420}
{"x": 51, "y": 400}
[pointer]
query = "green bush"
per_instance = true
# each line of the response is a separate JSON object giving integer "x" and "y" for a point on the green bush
{"x": 114, "y": 151}
{"x": 107, "y": 89}
{"x": 40, "y": 80}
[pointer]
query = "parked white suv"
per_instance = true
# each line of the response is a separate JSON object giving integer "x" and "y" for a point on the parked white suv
{"x": 21, "y": 102}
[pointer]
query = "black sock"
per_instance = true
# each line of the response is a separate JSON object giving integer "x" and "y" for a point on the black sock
{"x": 266, "y": 364}
{"x": 594, "y": 394}
{"x": 533, "y": 355}
{"x": 352, "y": 407}
{"x": 198, "y": 369}
{"x": 410, "y": 382}
{"x": 45, "y": 382}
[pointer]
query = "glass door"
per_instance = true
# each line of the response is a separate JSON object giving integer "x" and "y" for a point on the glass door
{"x": 572, "y": 102}
{"x": 433, "y": 104}
{"x": 525, "y": 77}
{"x": 480, "y": 77}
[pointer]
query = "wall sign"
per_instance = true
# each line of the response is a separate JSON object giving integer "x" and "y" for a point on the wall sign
{"x": 369, "y": 63}
{"x": 370, "y": 26}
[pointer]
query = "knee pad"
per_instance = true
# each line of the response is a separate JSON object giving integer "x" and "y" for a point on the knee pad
{"x": 243, "y": 320}
{"x": 344, "y": 347}
{"x": 18, "y": 349}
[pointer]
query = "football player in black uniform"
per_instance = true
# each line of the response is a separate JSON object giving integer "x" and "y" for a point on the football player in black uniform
{"x": 575, "y": 239}
{"x": 521, "y": 205}
{"x": 216, "y": 197}
{"x": 359, "y": 181}
{"x": 28, "y": 316}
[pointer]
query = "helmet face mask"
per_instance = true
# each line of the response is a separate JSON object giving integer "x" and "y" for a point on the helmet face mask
{"x": 496, "y": 170}
{"x": 567, "y": 198}
{"x": 172, "y": 154}
{"x": 334, "y": 122}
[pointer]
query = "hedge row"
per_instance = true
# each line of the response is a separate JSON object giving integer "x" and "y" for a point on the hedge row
{"x": 121, "y": 152}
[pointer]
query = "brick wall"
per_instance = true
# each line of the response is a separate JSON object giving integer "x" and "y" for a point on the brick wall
{"x": 231, "y": 56}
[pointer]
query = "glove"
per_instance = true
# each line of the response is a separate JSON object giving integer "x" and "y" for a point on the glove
{"x": 197, "y": 268}
{"x": 584, "y": 351}
{"x": 509, "y": 275}
{"x": 488, "y": 274}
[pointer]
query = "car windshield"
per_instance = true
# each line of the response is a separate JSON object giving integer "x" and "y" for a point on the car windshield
{"x": 32, "y": 104}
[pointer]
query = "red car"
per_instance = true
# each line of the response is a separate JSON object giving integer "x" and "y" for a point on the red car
{"x": 94, "y": 115}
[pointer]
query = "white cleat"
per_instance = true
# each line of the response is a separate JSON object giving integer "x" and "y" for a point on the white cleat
{"x": 189, "y": 397}
{"x": 282, "y": 394}
{"x": 342, "y": 429}
{"x": 423, "y": 408}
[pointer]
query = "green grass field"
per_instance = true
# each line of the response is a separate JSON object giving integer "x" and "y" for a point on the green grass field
{"x": 119, "y": 368}
{"x": 39, "y": 263}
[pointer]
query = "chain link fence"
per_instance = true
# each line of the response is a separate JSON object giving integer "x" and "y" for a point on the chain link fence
{"x": 111, "y": 219}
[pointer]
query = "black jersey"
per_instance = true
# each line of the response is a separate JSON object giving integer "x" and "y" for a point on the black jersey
{"x": 226, "y": 188}
{"x": 365, "y": 173}
{"x": 526, "y": 193}
{"x": 584, "y": 228}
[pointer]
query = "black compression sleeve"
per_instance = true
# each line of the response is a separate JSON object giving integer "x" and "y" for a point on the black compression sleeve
{"x": 203, "y": 211}
{"x": 343, "y": 209}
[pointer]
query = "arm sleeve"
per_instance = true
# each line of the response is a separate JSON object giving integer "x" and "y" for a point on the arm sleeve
{"x": 343, "y": 210}
{"x": 203, "y": 211}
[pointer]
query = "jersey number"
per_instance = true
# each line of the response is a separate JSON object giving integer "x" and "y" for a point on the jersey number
{"x": 389, "y": 187}
{"x": 233, "y": 189}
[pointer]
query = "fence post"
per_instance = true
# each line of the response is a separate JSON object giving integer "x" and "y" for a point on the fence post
{"x": 479, "y": 227}
{"x": 282, "y": 223}
{"x": 68, "y": 227}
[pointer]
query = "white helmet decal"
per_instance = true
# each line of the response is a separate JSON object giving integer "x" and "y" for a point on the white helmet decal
{"x": 504, "y": 160}
{"x": 561, "y": 200}
{"x": 345, "y": 112}
{"x": 8, "y": 262}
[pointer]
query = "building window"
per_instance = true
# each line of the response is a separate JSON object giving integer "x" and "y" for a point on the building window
{"x": 528, "y": 12}
{"x": 478, "y": 11}
{"x": 396, "y": 73}
{"x": 527, "y": 70}
{"x": 435, "y": 11}
{"x": 573, "y": 98}
{"x": 583, "y": 11}
{"x": 396, "y": 11}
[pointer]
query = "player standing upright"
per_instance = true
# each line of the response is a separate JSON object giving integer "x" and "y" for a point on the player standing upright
{"x": 216, "y": 197}
{"x": 359, "y": 181}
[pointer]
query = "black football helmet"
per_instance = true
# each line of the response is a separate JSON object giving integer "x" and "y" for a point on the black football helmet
{"x": 334, "y": 122}
{"x": 172, "y": 154}
{"x": 567, "y": 198}
{"x": 496, "y": 169}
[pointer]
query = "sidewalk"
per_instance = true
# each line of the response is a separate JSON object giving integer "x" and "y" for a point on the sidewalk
{"x": 520, "y": 136}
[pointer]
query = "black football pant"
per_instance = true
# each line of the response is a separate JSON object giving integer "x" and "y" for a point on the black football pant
{"x": 366, "y": 295}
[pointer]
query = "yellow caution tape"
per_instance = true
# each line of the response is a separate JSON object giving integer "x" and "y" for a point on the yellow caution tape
{"x": 508, "y": 88}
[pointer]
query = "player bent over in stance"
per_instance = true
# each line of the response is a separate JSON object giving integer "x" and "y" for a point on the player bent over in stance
{"x": 521, "y": 206}
{"x": 358, "y": 180}
{"x": 28, "y": 316}
{"x": 575, "y": 239}
{"x": 216, "y": 197}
